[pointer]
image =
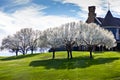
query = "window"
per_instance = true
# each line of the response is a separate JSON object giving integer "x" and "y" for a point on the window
{"x": 117, "y": 34}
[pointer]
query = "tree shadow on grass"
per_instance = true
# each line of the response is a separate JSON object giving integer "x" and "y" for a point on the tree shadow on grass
{"x": 78, "y": 62}
{"x": 18, "y": 57}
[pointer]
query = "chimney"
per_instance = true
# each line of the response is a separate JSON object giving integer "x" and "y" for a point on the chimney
{"x": 91, "y": 14}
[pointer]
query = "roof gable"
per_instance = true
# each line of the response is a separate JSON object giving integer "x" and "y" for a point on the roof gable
{"x": 109, "y": 20}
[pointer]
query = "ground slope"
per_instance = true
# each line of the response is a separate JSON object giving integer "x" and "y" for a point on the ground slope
{"x": 104, "y": 66}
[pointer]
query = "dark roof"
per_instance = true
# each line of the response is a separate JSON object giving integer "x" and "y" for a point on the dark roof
{"x": 109, "y": 20}
{"x": 100, "y": 19}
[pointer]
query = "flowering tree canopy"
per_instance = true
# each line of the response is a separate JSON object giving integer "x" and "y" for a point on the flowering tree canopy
{"x": 66, "y": 35}
{"x": 93, "y": 35}
{"x": 11, "y": 43}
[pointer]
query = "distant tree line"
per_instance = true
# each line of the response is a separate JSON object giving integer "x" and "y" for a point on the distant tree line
{"x": 67, "y": 35}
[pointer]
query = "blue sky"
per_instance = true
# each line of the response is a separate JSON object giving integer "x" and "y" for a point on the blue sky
{"x": 42, "y": 14}
{"x": 51, "y": 7}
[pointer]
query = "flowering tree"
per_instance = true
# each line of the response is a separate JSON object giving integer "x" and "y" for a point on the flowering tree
{"x": 33, "y": 41}
{"x": 53, "y": 39}
{"x": 24, "y": 40}
{"x": 11, "y": 43}
{"x": 24, "y": 36}
{"x": 42, "y": 41}
{"x": 68, "y": 36}
{"x": 93, "y": 35}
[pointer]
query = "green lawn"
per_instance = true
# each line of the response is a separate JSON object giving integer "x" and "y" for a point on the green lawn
{"x": 104, "y": 66}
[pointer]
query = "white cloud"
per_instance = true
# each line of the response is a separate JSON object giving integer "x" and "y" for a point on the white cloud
{"x": 101, "y": 6}
{"x": 29, "y": 17}
{"x": 115, "y": 5}
{"x": 21, "y": 1}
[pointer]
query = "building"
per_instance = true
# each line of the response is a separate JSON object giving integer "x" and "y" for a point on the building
{"x": 108, "y": 22}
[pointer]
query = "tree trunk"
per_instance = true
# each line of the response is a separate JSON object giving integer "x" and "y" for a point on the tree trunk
{"x": 53, "y": 50}
{"x": 23, "y": 52}
{"x": 53, "y": 55}
{"x": 71, "y": 54}
{"x": 91, "y": 48}
{"x": 16, "y": 53}
{"x": 69, "y": 50}
{"x": 91, "y": 55}
{"x": 68, "y": 54}
{"x": 31, "y": 51}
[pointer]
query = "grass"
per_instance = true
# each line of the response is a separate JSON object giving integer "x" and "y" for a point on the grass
{"x": 104, "y": 66}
